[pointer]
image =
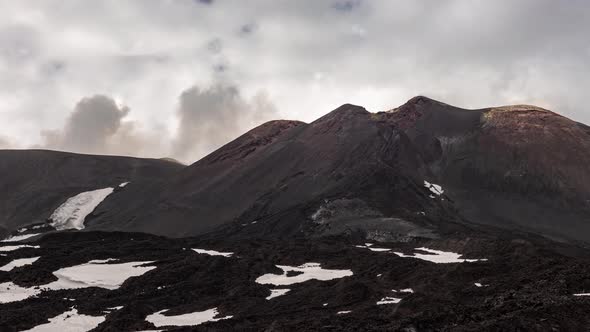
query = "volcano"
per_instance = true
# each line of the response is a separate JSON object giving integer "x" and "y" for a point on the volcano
{"x": 517, "y": 167}
{"x": 426, "y": 217}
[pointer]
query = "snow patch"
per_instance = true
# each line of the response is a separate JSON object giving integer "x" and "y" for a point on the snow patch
{"x": 192, "y": 319}
{"x": 123, "y": 184}
{"x": 344, "y": 312}
{"x": 388, "y": 300}
{"x": 97, "y": 274}
{"x": 434, "y": 188}
{"x": 71, "y": 214}
{"x": 379, "y": 249}
{"x": 17, "y": 238}
{"x": 69, "y": 321}
{"x": 102, "y": 261}
{"x": 277, "y": 292}
{"x": 213, "y": 252}
{"x": 18, "y": 263}
{"x": 477, "y": 284}
{"x": 108, "y": 276}
{"x": 11, "y": 292}
{"x": 308, "y": 271}
{"x": 582, "y": 294}
{"x": 405, "y": 290}
{"x": 370, "y": 247}
{"x": 12, "y": 248}
{"x": 440, "y": 257}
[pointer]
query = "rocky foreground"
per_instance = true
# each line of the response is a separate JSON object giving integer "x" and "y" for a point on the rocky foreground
{"x": 460, "y": 283}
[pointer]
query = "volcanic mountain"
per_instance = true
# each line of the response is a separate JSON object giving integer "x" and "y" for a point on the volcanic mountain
{"x": 518, "y": 167}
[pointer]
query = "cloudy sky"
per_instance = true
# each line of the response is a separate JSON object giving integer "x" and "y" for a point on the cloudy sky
{"x": 179, "y": 78}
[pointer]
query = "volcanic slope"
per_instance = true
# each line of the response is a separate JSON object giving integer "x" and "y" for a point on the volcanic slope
{"x": 513, "y": 166}
{"x": 34, "y": 183}
{"x": 408, "y": 170}
{"x": 280, "y": 173}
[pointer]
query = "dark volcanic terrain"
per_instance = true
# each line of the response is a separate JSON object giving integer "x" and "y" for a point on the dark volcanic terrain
{"x": 526, "y": 284}
{"x": 35, "y": 182}
{"x": 427, "y": 217}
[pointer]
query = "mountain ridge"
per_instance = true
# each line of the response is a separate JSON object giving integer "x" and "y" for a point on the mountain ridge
{"x": 494, "y": 163}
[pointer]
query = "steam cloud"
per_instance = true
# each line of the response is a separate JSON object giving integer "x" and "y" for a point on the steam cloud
{"x": 212, "y": 117}
{"x": 208, "y": 118}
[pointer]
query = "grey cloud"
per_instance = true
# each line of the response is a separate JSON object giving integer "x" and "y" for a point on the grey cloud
{"x": 309, "y": 56}
{"x": 220, "y": 67}
{"x": 215, "y": 45}
{"x": 208, "y": 118}
{"x": 248, "y": 29}
{"x": 19, "y": 43}
{"x": 97, "y": 126}
{"x": 88, "y": 129}
{"x": 346, "y": 6}
{"x": 214, "y": 116}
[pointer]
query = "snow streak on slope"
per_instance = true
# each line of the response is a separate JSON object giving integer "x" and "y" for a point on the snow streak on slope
{"x": 213, "y": 252}
{"x": 277, "y": 292}
{"x": 69, "y": 321}
{"x": 389, "y": 300}
{"x": 192, "y": 319}
{"x": 308, "y": 271}
{"x": 434, "y": 188}
{"x": 72, "y": 213}
{"x": 12, "y": 248}
{"x": 17, "y": 238}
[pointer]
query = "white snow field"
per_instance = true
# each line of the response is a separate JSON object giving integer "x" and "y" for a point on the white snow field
{"x": 10, "y": 292}
{"x": 434, "y": 188}
{"x": 440, "y": 257}
{"x": 277, "y": 292}
{"x": 12, "y": 248}
{"x": 122, "y": 185}
{"x": 344, "y": 312}
{"x": 310, "y": 271}
{"x": 19, "y": 263}
{"x": 98, "y": 274}
{"x": 582, "y": 294}
{"x": 91, "y": 274}
{"x": 71, "y": 214}
{"x": 192, "y": 319}
{"x": 69, "y": 321}
{"x": 213, "y": 252}
{"x": 17, "y": 238}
